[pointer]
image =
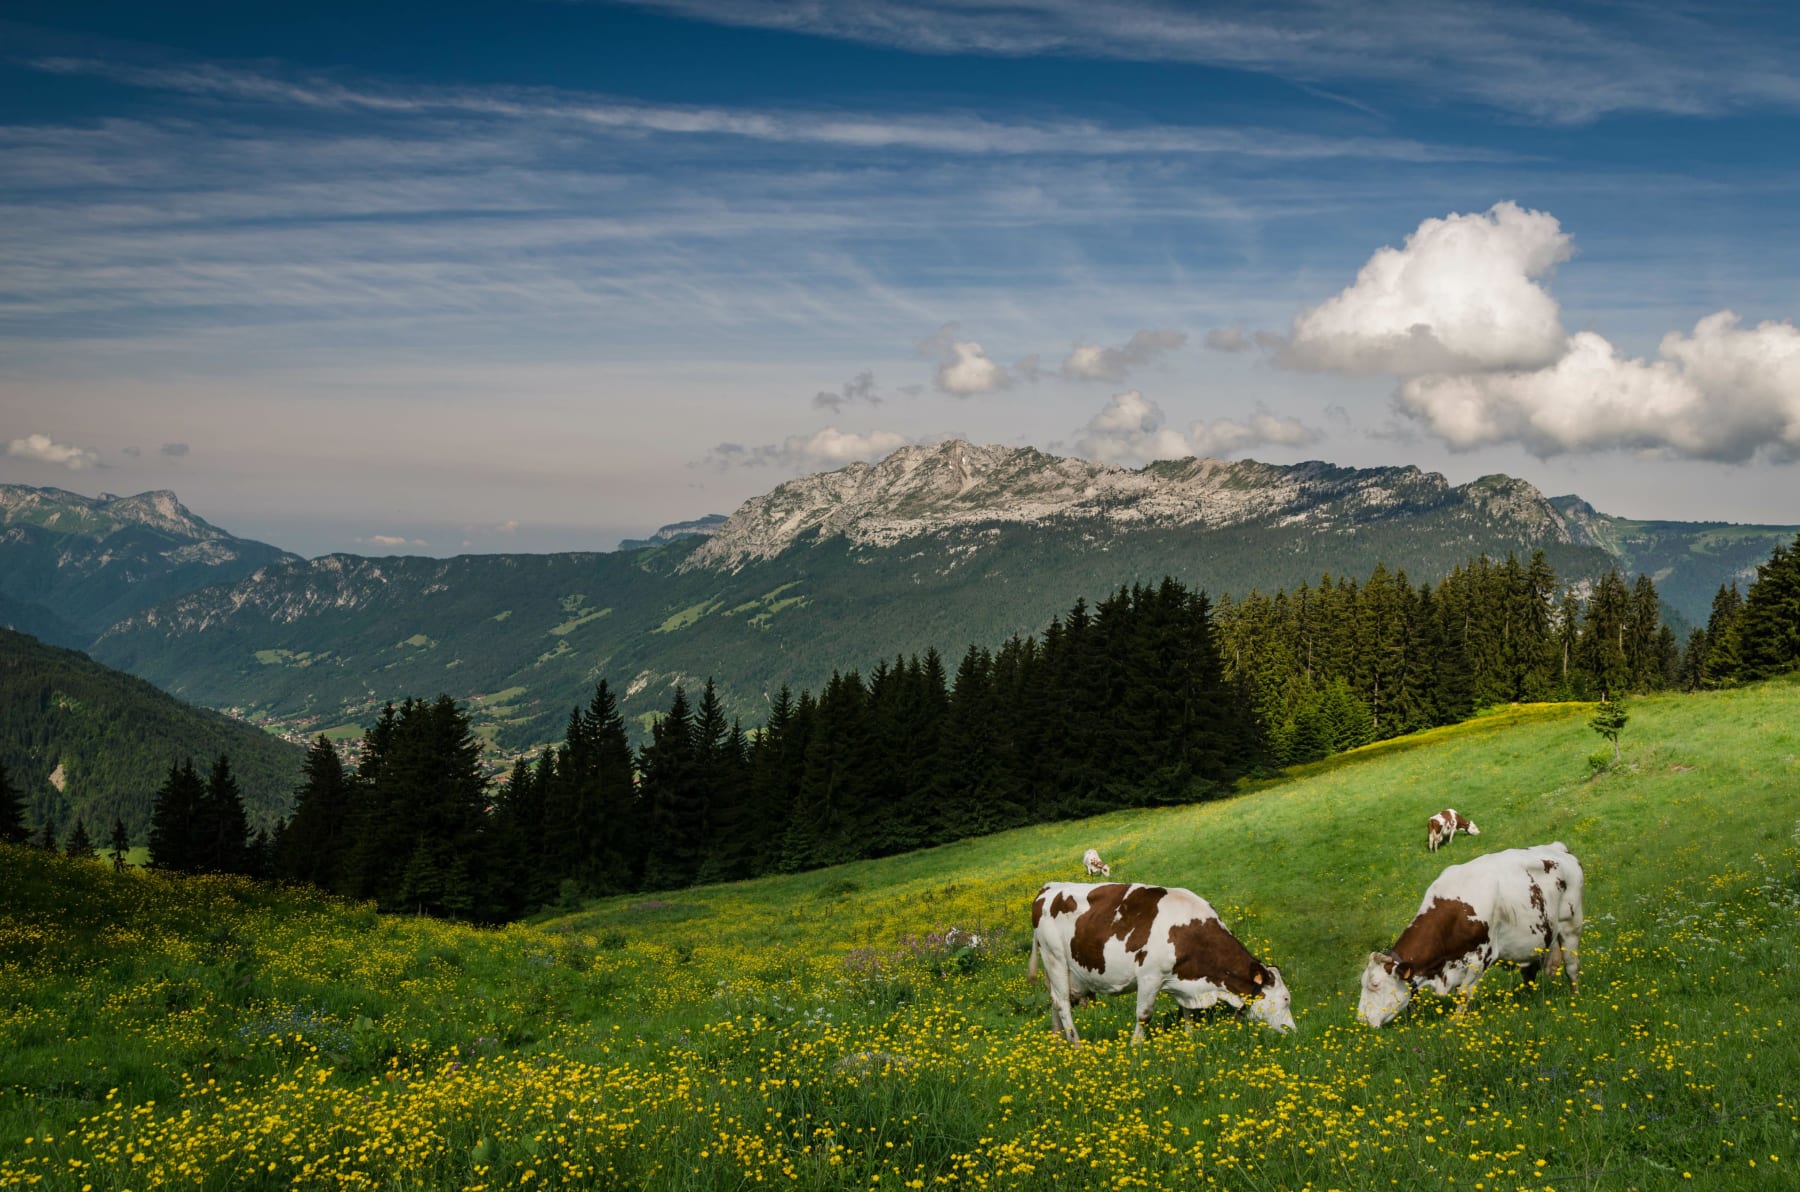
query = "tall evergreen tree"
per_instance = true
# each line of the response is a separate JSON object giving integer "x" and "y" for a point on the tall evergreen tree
{"x": 1723, "y": 664}
{"x": 121, "y": 844}
{"x": 318, "y": 834}
{"x": 79, "y": 845}
{"x": 12, "y": 812}
{"x": 222, "y": 830}
{"x": 1769, "y": 623}
{"x": 175, "y": 821}
{"x": 670, "y": 788}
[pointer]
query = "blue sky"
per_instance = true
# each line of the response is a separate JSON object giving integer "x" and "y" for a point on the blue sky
{"x": 541, "y": 275}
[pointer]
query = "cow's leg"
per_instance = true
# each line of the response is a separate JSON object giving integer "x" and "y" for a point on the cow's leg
{"x": 1571, "y": 962}
{"x": 1146, "y": 1005}
{"x": 1056, "y": 976}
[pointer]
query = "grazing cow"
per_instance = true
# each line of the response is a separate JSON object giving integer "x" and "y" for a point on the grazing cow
{"x": 1522, "y": 906}
{"x": 1446, "y": 824}
{"x": 1109, "y": 938}
{"x": 1095, "y": 866}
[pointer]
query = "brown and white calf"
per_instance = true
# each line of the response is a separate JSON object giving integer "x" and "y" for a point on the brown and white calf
{"x": 1446, "y": 824}
{"x": 1109, "y": 938}
{"x": 1522, "y": 906}
{"x": 1095, "y": 866}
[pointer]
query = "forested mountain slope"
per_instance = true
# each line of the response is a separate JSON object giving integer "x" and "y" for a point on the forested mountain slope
{"x": 78, "y": 738}
{"x": 937, "y": 546}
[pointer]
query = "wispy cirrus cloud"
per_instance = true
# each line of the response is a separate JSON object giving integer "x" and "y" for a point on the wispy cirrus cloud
{"x": 1547, "y": 63}
{"x": 944, "y": 133}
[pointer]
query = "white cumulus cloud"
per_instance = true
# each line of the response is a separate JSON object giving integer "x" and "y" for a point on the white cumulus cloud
{"x": 964, "y": 368}
{"x": 1131, "y": 430}
{"x": 390, "y": 541}
{"x": 1262, "y": 429}
{"x": 1463, "y": 294}
{"x": 823, "y": 450}
{"x": 1723, "y": 393}
{"x": 1093, "y": 362}
{"x": 44, "y": 449}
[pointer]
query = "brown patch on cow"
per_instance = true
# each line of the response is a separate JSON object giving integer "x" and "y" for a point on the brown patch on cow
{"x": 1037, "y": 907}
{"x": 1561, "y": 884}
{"x": 1537, "y": 900}
{"x": 1062, "y": 904}
{"x": 1442, "y": 932}
{"x": 1205, "y": 951}
{"x": 1114, "y": 911}
{"x": 1139, "y": 956}
{"x": 1549, "y": 865}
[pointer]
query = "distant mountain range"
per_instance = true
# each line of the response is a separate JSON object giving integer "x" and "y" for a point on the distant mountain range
{"x": 940, "y": 545}
{"x": 78, "y": 738}
{"x": 71, "y": 566}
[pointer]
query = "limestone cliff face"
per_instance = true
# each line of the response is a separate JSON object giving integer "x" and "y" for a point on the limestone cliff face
{"x": 927, "y": 489}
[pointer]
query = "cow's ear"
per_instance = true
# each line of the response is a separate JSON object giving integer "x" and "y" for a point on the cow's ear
{"x": 1405, "y": 971}
{"x": 1256, "y": 977}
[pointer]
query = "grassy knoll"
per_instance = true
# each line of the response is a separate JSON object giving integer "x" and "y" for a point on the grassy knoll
{"x": 811, "y": 1031}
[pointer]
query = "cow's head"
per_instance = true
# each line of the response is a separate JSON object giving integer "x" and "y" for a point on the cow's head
{"x": 1470, "y": 828}
{"x": 1273, "y": 1006}
{"x": 1386, "y": 988}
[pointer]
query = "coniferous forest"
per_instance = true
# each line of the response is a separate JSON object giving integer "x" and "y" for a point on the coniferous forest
{"x": 1152, "y": 696}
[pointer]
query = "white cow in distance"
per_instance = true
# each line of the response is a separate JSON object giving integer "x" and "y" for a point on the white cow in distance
{"x": 1095, "y": 866}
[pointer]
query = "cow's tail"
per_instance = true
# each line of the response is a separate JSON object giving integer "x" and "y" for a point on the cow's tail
{"x": 1031, "y": 969}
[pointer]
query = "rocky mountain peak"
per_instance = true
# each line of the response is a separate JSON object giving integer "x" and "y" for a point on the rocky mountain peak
{"x": 931, "y": 488}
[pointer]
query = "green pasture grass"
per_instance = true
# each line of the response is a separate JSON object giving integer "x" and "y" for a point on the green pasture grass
{"x": 815, "y": 1030}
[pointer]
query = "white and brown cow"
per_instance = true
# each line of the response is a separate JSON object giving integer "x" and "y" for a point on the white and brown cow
{"x": 1440, "y": 828}
{"x": 1109, "y": 938}
{"x": 1522, "y": 906}
{"x": 1095, "y": 866}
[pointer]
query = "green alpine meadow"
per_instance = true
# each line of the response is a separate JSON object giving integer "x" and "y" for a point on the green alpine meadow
{"x": 872, "y": 1024}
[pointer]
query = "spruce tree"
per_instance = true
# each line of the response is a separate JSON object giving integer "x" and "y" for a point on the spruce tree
{"x": 1724, "y": 667}
{"x": 79, "y": 845}
{"x": 175, "y": 820}
{"x": 673, "y": 800}
{"x": 318, "y": 834}
{"x": 1769, "y": 623}
{"x": 12, "y": 812}
{"x": 121, "y": 844}
{"x": 222, "y": 830}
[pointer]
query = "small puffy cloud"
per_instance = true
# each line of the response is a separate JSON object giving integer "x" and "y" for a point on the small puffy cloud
{"x": 1723, "y": 393}
{"x": 130, "y": 452}
{"x": 1461, "y": 295}
{"x": 964, "y": 368}
{"x": 176, "y": 450}
{"x": 46, "y": 450}
{"x": 1130, "y": 431}
{"x": 860, "y": 388}
{"x": 1262, "y": 429}
{"x": 390, "y": 541}
{"x": 821, "y": 451}
{"x": 1093, "y": 362}
{"x": 507, "y": 527}
{"x": 1229, "y": 339}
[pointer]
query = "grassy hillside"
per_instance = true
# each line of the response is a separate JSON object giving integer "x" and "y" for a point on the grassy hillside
{"x": 813, "y": 1032}
{"x": 80, "y": 739}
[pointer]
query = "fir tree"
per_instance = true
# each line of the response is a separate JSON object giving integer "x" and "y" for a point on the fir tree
{"x": 221, "y": 828}
{"x": 317, "y": 836}
{"x": 79, "y": 845}
{"x": 1768, "y": 626}
{"x": 121, "y": 845}
{"x": 672, "y": 798}
{"x": 12, "y": 812}
{"x": 1609, "y": 721}
{"x": 175, "y": 820}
